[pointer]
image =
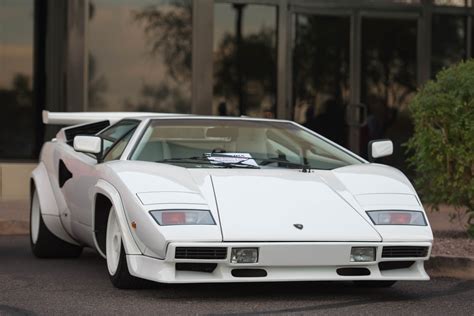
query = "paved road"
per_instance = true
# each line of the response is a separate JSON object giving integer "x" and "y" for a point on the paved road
{"x": 81, "y": 286}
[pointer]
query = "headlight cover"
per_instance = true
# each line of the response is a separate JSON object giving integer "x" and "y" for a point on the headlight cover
{"x": 183, "y": 217}
{"x": 413, "y": 218}
{"x": 363, "y": 254}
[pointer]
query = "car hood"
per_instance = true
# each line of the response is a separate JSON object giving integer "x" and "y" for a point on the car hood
{"x": 269, "y": 204}
{"x": 286, "y": 206}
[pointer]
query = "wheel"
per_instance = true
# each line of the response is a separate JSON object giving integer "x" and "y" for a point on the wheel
{"x": 45, "y": 244}
{"x": 374, "y": 284}
{"x": 116, "y": 258}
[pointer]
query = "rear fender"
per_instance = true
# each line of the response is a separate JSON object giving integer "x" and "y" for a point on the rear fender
{"x": 129, "y": 244}
{"x": 49, "y": 208}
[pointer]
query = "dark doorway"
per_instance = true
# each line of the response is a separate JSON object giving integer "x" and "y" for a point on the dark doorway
{"x": 388, "y": 82}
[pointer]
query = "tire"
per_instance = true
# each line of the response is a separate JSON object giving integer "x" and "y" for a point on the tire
{"x": 116, "y": 258}
{"x": 374, "y": 284}
{"x": 45, "y": 244}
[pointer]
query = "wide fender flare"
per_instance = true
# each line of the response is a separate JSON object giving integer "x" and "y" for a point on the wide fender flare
{"x": 108, "y": 190}
{"x": 50, "y": 212}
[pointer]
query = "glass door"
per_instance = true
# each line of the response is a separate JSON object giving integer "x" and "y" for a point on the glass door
{"x": 320, "y": 73}
{"x": 388, "y": 82}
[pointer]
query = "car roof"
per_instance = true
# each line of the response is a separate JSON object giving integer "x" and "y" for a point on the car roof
{"x": 205, "y": 117}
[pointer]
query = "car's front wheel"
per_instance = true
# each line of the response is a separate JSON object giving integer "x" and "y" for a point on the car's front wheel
{"x": 116, "y": 258}
{"x": 45, "y": 244}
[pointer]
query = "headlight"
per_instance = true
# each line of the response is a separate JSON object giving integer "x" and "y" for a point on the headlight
{"x": 183, "y": 217}
{"x": 244, "y": 255}
{"x": 415, "y": 218}
{"x": 362, "y": 254}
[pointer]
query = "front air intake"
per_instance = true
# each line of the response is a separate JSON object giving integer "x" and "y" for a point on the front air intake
{"x": 404, "y": 252}
{"x": 212, "y": 253}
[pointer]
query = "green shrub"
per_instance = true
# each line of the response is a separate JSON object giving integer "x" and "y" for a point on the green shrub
{"x": 442, "y": 148}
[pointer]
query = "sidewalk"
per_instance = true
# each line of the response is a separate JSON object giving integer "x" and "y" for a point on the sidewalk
{"x": 14, "y": 217}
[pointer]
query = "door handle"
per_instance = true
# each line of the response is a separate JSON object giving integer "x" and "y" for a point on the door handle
{"x": 356, "y": 114}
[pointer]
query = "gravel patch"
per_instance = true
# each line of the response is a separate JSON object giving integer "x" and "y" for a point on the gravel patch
{"x": 458, "y": 245}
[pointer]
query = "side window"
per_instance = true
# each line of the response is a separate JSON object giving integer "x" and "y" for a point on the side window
{"x": 115, "y": 132}
{"x": 118, "y": 147}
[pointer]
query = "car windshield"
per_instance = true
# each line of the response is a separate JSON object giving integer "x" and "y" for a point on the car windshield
{"x": 237, "y": 143}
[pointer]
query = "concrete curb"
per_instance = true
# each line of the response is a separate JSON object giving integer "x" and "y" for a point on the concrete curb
{"x": 451, "y": 266}
{"x": 14, "y": 227}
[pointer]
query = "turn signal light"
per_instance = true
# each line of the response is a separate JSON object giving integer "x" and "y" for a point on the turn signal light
{"x": 173, "y": 218}
{"x": 397, "y": 218}
{"x": 183, "y": 217}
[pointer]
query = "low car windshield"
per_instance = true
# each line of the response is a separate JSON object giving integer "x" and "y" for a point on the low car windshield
{"x": 237, "y": 143}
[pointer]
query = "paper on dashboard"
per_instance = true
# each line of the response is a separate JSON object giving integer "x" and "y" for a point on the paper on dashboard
{"x": 236, "y": 158}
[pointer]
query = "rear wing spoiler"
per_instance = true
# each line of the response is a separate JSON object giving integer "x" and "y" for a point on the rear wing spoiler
{"x": 75, "y": 118}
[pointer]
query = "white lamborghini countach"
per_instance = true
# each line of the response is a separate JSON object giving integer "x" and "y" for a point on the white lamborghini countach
{"x": 188, "y": 199}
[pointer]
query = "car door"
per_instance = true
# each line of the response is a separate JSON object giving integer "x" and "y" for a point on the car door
{"x": 82, "y": 167}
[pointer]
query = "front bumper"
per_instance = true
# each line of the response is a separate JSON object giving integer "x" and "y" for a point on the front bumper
{"x": 304, "y": 261}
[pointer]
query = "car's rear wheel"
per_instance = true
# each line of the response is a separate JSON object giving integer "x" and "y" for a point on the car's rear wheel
{"x": 45, "y": 244}
{"x": 375, "y": 284}
{"x": 116, "y": 258}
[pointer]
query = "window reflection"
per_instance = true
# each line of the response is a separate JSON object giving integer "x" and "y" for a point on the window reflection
{"x": 244, "y": 59}
{"x": 17, "y": 135}
{"x": 448, "y": 44}
{"x": 140, "y": 55}
{"x": 321, "y": 74}
{"x": 454, "y": 3}
{"x": 388, "y": 82}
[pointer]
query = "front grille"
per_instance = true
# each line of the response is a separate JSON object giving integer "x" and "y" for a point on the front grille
{"x": 196, "y": 267}
{"x": 213, "y": 253}
{"x": 394, "y": 265}
{"x": 404, "y": 251}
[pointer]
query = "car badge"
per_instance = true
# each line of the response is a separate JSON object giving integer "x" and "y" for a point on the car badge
{"x": 299, "y": 226}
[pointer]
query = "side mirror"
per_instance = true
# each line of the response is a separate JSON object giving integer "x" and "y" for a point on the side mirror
{"x": 88, "y": 145}
{"x": 380, "y": 148}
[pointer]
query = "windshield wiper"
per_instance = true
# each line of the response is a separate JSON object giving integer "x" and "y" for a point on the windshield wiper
{"x": 205, "y": 160}
{"x": 283, "y": 162}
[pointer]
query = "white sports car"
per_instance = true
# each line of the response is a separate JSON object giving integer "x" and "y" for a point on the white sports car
{"x": 187, "y": 199}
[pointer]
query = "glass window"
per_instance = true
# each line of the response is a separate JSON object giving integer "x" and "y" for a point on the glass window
{"x": 321, "y": 74}
{"x": 389, "y": 82}
{"x": 115, "y": 132}
{"x": 140, "y": 55}
{"x": 271, "y": 144}
{"x": 448, "y": 41}
{"x": 17, "y": 118}
{"x": 453, "y": 3}
{"x": 245, "y": 59}
{"x": 116, "y": 151}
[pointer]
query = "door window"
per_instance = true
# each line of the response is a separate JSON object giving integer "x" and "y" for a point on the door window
{"x": 117, "y": 149}
{"x": 115, "y": 134}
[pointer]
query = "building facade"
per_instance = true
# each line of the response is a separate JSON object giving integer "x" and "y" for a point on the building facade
{"x": 347, "y": 69}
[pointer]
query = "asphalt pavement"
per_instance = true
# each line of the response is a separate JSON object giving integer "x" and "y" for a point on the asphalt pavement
{"x": 30, "y": 286}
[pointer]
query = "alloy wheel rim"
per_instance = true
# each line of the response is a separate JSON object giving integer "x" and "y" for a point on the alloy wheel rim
{"x": 113, "y": 243}
{"x": 35, "y": 218}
